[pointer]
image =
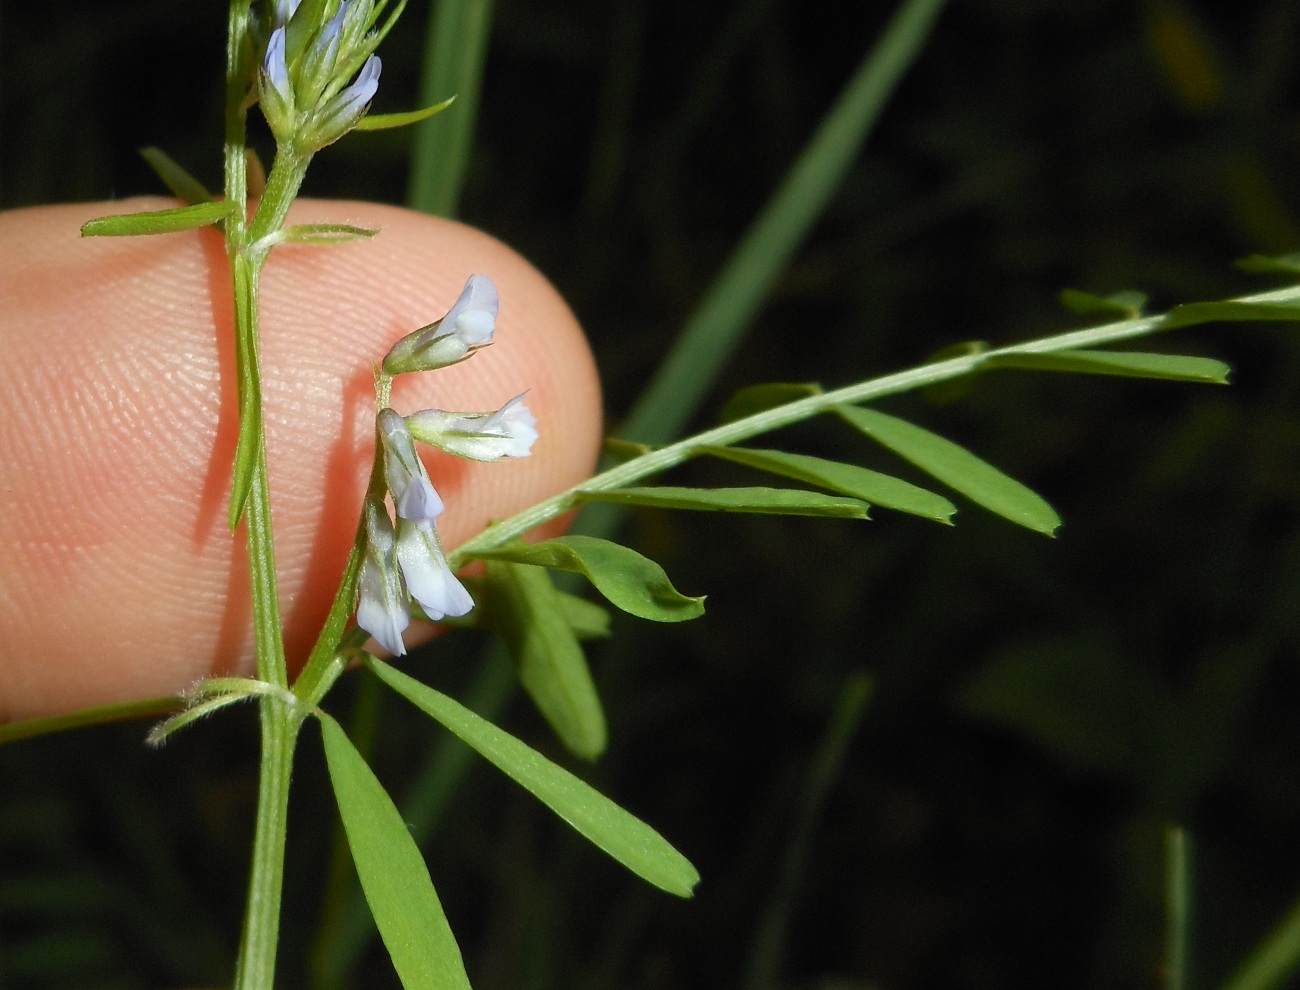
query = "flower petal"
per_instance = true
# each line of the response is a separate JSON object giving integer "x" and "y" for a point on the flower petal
{"x": 468, "y": 325}
{"x": 382, "y": 604}
{"x": 510, "y": 431}
{"x": 428, "y": 578}
{"x": 414, "y": 496}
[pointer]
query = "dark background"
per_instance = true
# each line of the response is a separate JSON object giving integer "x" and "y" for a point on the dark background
{"x": 1041, "y": 709}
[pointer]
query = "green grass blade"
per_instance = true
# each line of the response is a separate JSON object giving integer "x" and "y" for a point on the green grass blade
{"x": 392, "y": 872}
{"x": 1178, "y": 907}
{"x": 716, "y": 327}
{"x": 763, "y": 969}
{"x": 1274, "y": 961}
{"x": 956, "y": 467}
{"x": 620, "y": 834}
{"x": 454, "y": 52}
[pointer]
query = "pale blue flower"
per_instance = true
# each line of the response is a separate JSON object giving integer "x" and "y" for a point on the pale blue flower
{"x": 468, "y": 325}
{"x": 275, "y": 69}
{"x": 511, "y": 431}
{"x": 349, "y": 106}
{"x": 428, "y": 577}
{"x": 414, "y": 496}
{"x": 383, "y": 608}
{"x": 282, "y": 10}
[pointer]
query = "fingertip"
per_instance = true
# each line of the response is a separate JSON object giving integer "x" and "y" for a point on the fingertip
{"x": 118, "y": 410}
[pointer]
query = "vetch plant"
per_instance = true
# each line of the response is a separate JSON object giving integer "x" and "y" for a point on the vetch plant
{"x": 312, "y": 68}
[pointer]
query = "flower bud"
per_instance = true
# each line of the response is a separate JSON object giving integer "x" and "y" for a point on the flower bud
{"x": 486, "y": 436}
{"x": 468, "y": 325}
{"x": 383, "y": 609}
{"x": 414, "y": 496}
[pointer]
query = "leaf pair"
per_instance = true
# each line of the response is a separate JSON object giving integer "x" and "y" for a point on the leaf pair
{"x": 393, "y": 874}
{"x": 944, "y": 460}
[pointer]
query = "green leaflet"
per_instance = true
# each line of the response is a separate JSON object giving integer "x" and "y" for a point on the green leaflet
{"x": 619, "y": 450}
{"x": 859, "y": 482}
{"x": 1131, "y": 364}
{"x": 1190, "y": 314}
{"x": 175, "y": 177}
{"x": 157, "y": 221}
{"x": 950, "y": 390}
{"x": 760, "y": 398}
{"x": 587, "y": 619}
{"x": 1287, "y": 264}
{"x": 956, "y": 467}
{"x": 384, "y": 121}
{"x": 1127, "y": 305}
{"x": 392, "y": 872}
{"x": 525, "y": 609}
{"x": 768, "y": 501}
{"x": 632, "y": 582}
{"x": 322, "y": 233}
{"x": 623, "y": 836}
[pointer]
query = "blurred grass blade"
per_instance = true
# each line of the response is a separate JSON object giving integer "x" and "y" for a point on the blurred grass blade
{"x": 620, "y": 834}
{"x": 392, "y": 872}
{"x": 454, "y": 52}
{"x": 763, "y": 969}
{"x": 1275, "y": 961}
{"x": 849, "y": 479}
{"x": 716, "y": 326}
{"x": 1178, "y": 907}
{"x": 956, "y": 467}
{"x": 175, "y": 177}
{"x": 634, "y": 583}
{"x": 764, "y": 501}
{"x": 1128, "y": 364}
{"x": 524, "y": 608}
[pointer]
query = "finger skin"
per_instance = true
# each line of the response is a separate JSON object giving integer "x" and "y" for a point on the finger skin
{"x": 118, "y": 420}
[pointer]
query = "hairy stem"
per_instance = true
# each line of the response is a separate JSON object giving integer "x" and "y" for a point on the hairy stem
{"x": 251, "y": 498}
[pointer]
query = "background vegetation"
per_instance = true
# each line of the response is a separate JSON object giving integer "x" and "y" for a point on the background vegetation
{"x": 1039, "y": 710}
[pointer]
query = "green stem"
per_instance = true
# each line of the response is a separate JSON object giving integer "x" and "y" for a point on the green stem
{"x": 257, "y": 949}
{"x": 247, "y": 251}
{"x": 664, "y": 458}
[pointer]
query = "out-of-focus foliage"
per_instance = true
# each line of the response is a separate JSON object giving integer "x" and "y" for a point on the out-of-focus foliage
{"x": 1041, "y": 707}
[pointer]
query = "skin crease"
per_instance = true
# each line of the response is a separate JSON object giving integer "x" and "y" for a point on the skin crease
{"x": 118, "y": 419}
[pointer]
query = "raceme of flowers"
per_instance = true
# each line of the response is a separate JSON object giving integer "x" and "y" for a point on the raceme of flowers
{"x": 404, "y": 560}
{"x": 303, "y": 78}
